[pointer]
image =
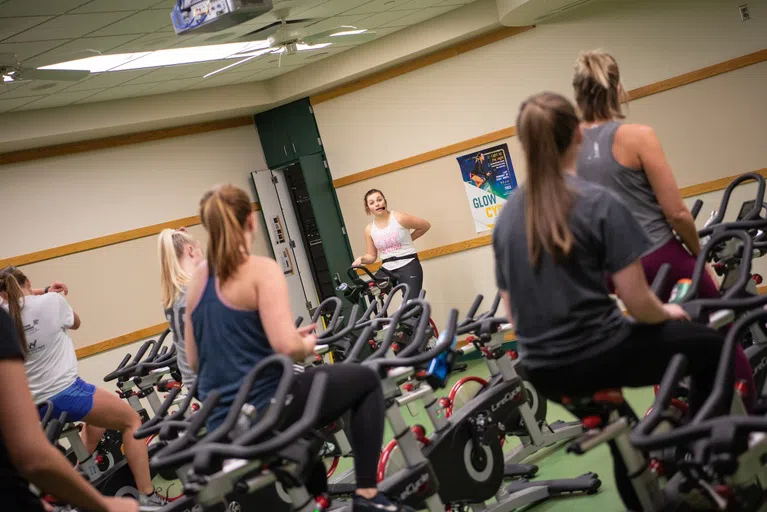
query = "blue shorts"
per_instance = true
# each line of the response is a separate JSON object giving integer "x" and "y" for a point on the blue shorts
{"x": 76, "y": 401}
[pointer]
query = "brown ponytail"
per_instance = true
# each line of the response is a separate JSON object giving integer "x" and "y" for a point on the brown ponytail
{"x": 224, "y": 212}
{"x": 598, "y": 88}
{"x": 11, "y": 282}
{"x": 546, "y": 125}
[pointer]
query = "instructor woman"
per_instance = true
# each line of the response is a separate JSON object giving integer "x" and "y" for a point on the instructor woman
{"x": 391, "y": 236}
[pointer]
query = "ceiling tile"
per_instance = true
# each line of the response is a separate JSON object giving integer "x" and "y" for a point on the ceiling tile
{"x": 376, "y": 6}
{"x": 121, "y": 91}
{"x": 331, "y": 8}
{"x": 24, "y": 51}
{"x": 106, "y": 80}
{"x": 112, "y": 6}
{"x": 225, "y": 78}
{"x": 139, "y": 23}
{"x": 414, "y": 4}
{"x": 173, "y": 85}
{"x": 59, "y": 99}
{"x": 79, "y": 49}
{"x": 69, "y": 26}
{"x": 202, "y": 69}
{"x": 384, "y": 18}
{"x": 271, "y": 73}
{"x": 6, "y": 87}
{"x": 336, "y": 21}
{"x": 419, "y": 16}
{"x": 38, "y": 7}
{"x": 164, "y": 74}
{"x": 37, "y": 88}
{"x": 6, "y": 105}
{"x": 11, "y": 26}
{"x": 148, "y": 42}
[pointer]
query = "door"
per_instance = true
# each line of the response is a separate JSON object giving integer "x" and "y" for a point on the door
{"x": 286, "y": 243}
{"x": 272, "y": 131}
{"x": 302, "y": 128}
{"x": 328, "y": 218}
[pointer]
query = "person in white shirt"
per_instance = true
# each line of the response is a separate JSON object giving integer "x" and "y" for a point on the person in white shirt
{"x": 50, "y": 363}
{"x": 391, "y": 236}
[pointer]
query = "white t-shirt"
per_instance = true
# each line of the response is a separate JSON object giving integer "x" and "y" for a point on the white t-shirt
{"x": 51, "y": 364}
{"x": 393, "y": 241}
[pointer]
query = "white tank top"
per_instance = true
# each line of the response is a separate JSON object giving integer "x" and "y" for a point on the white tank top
{"x": 393, "y": 241}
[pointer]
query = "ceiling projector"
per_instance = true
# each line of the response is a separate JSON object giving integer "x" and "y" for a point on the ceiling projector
{"x": 200, "y": 16}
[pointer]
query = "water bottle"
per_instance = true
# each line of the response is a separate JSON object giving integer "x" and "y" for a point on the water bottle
{"x": 680, "y": 290}
{"x": 439, "y": 367}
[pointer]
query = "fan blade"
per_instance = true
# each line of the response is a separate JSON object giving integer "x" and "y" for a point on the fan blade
{"x": 260, "y": 53}
{"x": 341, "y": 35}
{"x": 56, "y": 75}
{"x": 269, "y": 30}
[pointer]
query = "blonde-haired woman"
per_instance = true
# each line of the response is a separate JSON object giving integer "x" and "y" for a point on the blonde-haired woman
{"x": 179, "y": 255}
{"x": 629, "y": 160}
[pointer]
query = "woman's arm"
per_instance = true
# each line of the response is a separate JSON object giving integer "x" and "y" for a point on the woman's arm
{"x": 658, "y": 170}
{"x": 276, "y": 316}
{"x": 193, "y": 293}
{"x": 641, "y": 303}
{"x": 417, "y": 224}
{"x": 371, "y": 255}
{"x": 31, "y": 453}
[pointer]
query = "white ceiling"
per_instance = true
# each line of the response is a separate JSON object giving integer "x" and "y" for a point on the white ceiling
{"x": 43, "y": 32}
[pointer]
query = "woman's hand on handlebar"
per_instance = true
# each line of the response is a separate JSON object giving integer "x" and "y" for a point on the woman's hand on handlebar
{"x": 308, "y": 338}
{"x": 675, "y": 312}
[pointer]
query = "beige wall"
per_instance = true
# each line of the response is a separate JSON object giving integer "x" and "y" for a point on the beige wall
{"x": 709, "y": 129}
{"x": 115, "y": 289}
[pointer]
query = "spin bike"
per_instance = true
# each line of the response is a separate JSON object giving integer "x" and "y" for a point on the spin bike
{"x": 462, "y": 464}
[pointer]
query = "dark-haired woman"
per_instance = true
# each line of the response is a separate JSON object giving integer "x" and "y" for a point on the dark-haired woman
{"x": 391, "y": 236}
{"x": 556, "y": 239}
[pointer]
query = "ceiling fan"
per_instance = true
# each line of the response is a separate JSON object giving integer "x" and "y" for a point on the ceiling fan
{"x": 291, "y": 36}
{"x": 11, "y": 70}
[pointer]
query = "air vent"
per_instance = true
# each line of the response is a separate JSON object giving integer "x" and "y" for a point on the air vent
{"x": 43, "y": 87}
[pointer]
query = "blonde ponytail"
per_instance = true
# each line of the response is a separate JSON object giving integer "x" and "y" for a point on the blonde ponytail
{"x": 11, "y": 281}
{"x": 598, "y": 88}
{"x": 173, "y": 278}
{"x": 224, "y": 212}
{"x": 546, "y": 126}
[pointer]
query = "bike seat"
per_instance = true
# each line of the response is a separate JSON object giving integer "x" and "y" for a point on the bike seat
{"x": 594, "y": 408}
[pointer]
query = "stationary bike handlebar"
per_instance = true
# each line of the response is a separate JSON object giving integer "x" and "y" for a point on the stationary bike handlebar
{"x": 446, "y": 341}
{"x": 702, "y": 424}
{"x": 206, "y": 457}
{"x": 751, "y": 220}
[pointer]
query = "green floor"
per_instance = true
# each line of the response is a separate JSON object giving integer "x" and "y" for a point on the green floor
{"x": 555, "y": 463}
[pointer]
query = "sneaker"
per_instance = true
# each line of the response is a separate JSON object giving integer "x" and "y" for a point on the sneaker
{"x": 379, "y": 503}
{"x": 151, "y": 502}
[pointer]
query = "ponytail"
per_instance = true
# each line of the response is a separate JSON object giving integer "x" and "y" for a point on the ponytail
{"x": 547, "y": 124}
{"x": 173, "y": 278}
{"x": 224, "y": 212}
{"x": 11, "y": 281}
{"x": 598, "y": 88}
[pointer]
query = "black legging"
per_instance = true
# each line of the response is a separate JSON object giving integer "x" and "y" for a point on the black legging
{"x": 639, "y": 360}
{"x": 411, "y": 274}
{"x": 356, "y": 389}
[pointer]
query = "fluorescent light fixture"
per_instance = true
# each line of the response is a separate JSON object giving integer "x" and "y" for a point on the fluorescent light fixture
{"x": 7, "y": 78}
{"x": 160, "y": 58}
{"x": 350, "y": 32}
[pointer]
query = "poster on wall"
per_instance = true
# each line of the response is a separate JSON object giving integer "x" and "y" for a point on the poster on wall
{"x": 488, "y": 177}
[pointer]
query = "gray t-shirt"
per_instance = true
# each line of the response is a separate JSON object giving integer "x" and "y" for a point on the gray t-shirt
{"x": 175, "y": 317}
{"x": 562, "y": 311}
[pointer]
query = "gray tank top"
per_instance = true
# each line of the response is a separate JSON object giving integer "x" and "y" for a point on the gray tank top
{"x": 596, "y": 163}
